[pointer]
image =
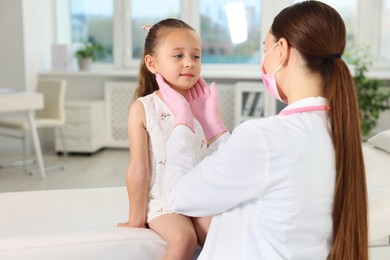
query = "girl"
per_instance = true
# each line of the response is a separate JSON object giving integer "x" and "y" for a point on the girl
{"x": 291, "y": 186}
{"x": 173, "y": 50}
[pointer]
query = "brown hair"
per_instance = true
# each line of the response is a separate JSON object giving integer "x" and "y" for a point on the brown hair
{"x": 317, "y": 31}
{"x": 147, "y": 83}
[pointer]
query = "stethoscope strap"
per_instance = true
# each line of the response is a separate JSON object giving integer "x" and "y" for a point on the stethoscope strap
{"x": 303, "y": 109}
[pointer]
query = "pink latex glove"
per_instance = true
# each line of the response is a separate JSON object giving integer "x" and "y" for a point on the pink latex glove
{"x": 176, "y": 103}
{"x": 204, "y": 103}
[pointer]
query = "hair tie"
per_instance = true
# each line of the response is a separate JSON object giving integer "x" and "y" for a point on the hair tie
{"x": 146, "y": 28}
{"x": 333, "y": 57}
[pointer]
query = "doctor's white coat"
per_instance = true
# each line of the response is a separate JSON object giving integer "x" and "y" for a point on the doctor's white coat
{"x": 269, "y": 186}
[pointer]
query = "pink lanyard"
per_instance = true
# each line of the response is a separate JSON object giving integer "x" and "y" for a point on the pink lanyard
{"x": 303, "y": 109}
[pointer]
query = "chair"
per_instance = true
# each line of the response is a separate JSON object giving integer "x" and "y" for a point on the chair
{"x": 51, "y": 116}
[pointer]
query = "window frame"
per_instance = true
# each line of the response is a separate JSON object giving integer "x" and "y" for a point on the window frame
{"x": 122, "y": 44}
{"x": 371, "y": 35}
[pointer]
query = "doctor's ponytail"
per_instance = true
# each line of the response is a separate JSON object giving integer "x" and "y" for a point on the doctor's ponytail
{"x": 350, "y": 203}
{"x": 317, "y": 31}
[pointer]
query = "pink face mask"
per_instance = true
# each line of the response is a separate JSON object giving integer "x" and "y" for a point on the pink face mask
{"x": 269, "y": 80}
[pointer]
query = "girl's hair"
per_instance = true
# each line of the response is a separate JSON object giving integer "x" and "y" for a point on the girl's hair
{"x": 317, "y": 31}
{"x": 147, "y": 83}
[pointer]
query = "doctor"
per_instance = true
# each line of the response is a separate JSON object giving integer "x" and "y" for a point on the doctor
{"x": 291, "y": 186}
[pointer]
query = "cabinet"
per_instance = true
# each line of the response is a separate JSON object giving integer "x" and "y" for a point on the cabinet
{"x": 84, "y": 127}
{"x": 252, "y": 101}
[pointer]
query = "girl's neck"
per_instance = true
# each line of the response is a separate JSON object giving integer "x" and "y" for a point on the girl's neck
{"x": 182, "y": 92}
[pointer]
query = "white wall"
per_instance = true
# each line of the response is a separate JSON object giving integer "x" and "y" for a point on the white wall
{"x": 12, "y": 67}
{"x": 38, "y": 25}
{"x": 26, "y": 29}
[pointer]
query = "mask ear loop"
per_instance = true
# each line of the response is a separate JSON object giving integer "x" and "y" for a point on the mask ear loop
{"x": 270, "y": 50}
{"x": 281, "y": 65}
{"x": 278, "y": 69}
{"x": 262, "y": 62}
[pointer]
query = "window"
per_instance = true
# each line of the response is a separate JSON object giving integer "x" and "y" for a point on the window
{"x": 92, "y": 21}
{"x": 117, "y": 26}
{"x": 384, "y": 44}
{"x": 349, "y": 12}
{"x": 230, "y": 31}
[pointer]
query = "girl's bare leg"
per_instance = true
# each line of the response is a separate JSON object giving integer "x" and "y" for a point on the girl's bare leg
{"x": 179, "y": 233}
{"x": 202, "y": 225}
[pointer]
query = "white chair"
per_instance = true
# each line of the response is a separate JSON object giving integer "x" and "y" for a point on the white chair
{"x": 51, "y": 116}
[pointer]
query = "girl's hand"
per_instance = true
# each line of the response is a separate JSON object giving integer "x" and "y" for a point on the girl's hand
{"x": 176, "y": 103}
{"x": 204, "y": 103}
{"x": 127, "y": 224}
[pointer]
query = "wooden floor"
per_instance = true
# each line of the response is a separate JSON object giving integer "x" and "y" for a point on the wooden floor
{"x": 106, "y": 168}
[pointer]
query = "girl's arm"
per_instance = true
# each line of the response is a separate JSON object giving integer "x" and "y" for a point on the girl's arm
{"x": 138, "y": 171}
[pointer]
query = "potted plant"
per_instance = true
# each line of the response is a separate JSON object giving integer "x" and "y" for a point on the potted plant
{"x": 372, "y": 100}
{"x": 87, "y": 54}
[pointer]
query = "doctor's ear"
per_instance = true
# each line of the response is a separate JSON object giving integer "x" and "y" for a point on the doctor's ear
{"x": 151, "y": 64}
{"x": 284, "y": 50}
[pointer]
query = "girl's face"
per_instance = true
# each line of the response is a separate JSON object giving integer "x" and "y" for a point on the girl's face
{"x": 178, "y": 59}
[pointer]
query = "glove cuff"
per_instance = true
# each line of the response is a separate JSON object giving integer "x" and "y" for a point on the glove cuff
{"x": 188, "y": 122}
{"x": 211, "y": 133}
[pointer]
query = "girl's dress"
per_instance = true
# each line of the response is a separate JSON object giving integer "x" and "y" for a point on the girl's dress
{"x": 159, "y": 124}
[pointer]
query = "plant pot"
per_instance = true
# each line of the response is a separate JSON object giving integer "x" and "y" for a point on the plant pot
{"x": 84, "y": 63}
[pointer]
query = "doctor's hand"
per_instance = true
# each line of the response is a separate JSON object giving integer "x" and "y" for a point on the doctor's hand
{"x": 204, "y": 103}
{"x": 176, "y": 103}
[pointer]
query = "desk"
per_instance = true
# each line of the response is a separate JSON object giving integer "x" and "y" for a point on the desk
{"x": 27, "y": 102}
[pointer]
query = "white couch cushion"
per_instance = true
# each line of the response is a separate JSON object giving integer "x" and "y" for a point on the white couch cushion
{"x": 381, "y": 140}
{"x": 72, "y": 224}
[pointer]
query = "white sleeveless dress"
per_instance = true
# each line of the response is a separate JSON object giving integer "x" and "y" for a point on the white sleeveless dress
{"x": 159, "y": 125}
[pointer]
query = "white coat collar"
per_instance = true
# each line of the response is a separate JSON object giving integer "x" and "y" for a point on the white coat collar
{"x": 306, "y": 102}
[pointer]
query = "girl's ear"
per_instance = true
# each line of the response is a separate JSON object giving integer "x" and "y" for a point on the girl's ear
{"x": 150, "y": 64}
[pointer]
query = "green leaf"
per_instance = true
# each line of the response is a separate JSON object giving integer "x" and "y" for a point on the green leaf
{"x": 89, "y": 50}
{"x": 372, "y": 101}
